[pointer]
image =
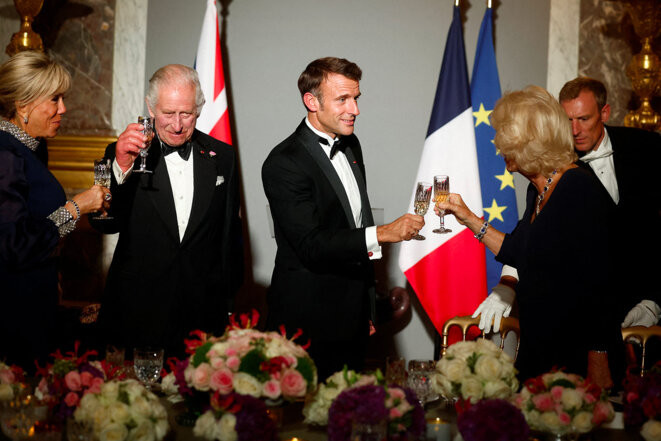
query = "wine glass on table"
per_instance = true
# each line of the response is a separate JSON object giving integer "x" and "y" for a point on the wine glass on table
{"x": 421, "y": 204}
{"x": 102, "y": 177}
{"x": 148, "y": 124}
{"x": 147, "y": 364}
{"x": 419, "y": 380}
{"x": 441, "y": 192}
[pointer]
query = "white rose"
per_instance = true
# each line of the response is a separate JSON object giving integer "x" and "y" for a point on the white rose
{"x": 571, "y": 399}
{"x": 462, "y": 349}
{"x": 110, "y": 390}
{"x": 6, "y": 392}
{"x": 582, "y": 422}
{"x": 168, "y": 385}
{"x": 472, "y": 388}
{"x": 133, "y": 388}
{"x": 113, "y": 432}
{"x": 226, "y": 427}
{"x": 455, "y": 369}
{"x": 246, "y": 384}
{"x": 99, "y": 417}
{"x": 497, "y": 389}
{"x": 144, "y": 432}
{"x": 442, "y": 385}
{"x": 161, "y": 428}
{"x": 141, "y": 406}
{"x": 651, "y": 430}
{"x": 118, "y": 412}
{"x": 487, "y": 347}
{"x": 329, "y": 393}
{"x": 550, "y": 421}
{"x": 205, "y": 425}
{"x": 488, "y": 367}
{"x": 158, "y": 411}
{"x": 533, "y": 419}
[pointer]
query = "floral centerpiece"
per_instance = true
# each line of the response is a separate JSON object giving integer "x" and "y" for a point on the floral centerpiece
{"x": 245, "y": 361}
{"x": 493, "y": 419}
{"x": 562, "y": 403}
{"x": 371, "y": 404}
{"x": 642, "y": 402}
{"x": 11, "y": 379}
{"x": 121, "y": 410}
{"x": 473, "y": 370}
{"x": 318, "y": 404}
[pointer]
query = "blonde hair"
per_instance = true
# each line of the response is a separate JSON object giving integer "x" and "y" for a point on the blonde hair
{"x": 533, "y": 130}
{"x": 28, "y": 77}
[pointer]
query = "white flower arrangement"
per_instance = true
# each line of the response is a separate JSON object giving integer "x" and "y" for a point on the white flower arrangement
{"x": 123, "y": 410}
{"x": 475, "y": 370}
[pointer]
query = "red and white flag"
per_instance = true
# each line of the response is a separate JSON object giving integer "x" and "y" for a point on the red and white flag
{"x": 447, "y": 271}
{"x": 214, "y": 119}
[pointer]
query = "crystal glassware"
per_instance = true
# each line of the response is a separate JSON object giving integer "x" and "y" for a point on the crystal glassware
{"x": 441, "y": 192}
{"x": 102, "y": 177}
{"x": 147, "y": 364}
{"x": 148, "y": 124}
{"x": 421, "y": 204}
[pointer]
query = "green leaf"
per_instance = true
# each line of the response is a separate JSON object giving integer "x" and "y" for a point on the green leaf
{"x": 562, "y": 382}
{"x": 472, "y": 360}
{"x": 250, "y": 364}
{"x": 201, "y": 354}
{"x": 306, "y": 368}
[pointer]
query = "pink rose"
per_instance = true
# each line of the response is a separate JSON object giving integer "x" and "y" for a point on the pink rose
{"x": 71, "y": 399}
{"x": 293, "y": 384}
{"x": 216, "y": 362}
{"x": 201, "y": 376}
{"x": 72, "y": 380}
{"x": 86, "y": 379}
{"x": 556, "y": 393}
{"x": 95, "y": 387}
{"x": 230, "y": 352}
{"x": 543, "y": 402}
{"x": 396, "y": 393}
{"x": 221, "y": 380}
{"x": 7, "y": 376}
{"x": 272, "y": 389}
{"x": 395, "y": 413}
{"x": 602, "y": 412}
{"x": 565, "y": 419}
{"x": 233, "y": 363}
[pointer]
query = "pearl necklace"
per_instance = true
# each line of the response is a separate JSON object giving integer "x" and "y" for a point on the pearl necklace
{"x": 540, "y": 197}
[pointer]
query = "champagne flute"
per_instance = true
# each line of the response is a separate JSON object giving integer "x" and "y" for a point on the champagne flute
{"x": 421, "y": 204}
{"x": 148, "y": 124}
{"x": 102, "y": 177}
{"x": 147, "y": 364}
{"x": 441, "y": 192}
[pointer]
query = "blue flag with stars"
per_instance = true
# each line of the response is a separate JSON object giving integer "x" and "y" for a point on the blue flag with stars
{"x": 498, "y": 197}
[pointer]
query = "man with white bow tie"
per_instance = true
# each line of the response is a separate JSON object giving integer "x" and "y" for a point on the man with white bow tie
{"x": 178, "y": 260}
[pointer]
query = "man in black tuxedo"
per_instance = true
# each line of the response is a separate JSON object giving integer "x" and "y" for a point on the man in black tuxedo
{"x": 323, "y": 280}
{"x": 178, "y": 260}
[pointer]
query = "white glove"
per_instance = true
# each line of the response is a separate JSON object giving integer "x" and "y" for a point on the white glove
{"x": 646, "y": 313}
{"x": 496, "y": 306}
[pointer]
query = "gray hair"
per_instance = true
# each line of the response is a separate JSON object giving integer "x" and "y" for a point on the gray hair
{"x": 174, "y": 74}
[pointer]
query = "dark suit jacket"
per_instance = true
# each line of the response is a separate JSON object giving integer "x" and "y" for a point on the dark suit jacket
{"x": 323, "y": 279}
{"x": 637, "y": 158}
{"x": 158, "y": 288}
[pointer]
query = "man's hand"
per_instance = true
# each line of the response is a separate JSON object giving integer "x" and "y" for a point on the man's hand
{"x": 646, "y": 313}
{"x": 129, "y": 144}
{"x": 401, "y": 229}
{"x": 496, "y": 306}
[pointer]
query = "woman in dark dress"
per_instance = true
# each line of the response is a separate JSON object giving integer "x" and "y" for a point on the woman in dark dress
{"x": 34, "y": 212}
{"x": 560, "y": 247}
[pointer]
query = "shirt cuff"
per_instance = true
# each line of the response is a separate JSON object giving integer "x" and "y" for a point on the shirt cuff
{"x": 120, "y": 176}
{"x": 373, "y": 247}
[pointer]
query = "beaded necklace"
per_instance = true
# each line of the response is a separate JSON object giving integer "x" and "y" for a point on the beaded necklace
{"x": 16, "y": 132}
{"x": 540, "y": 197}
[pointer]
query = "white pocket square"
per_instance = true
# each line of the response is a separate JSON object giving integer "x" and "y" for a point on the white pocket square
{"x": 219, "y": 180}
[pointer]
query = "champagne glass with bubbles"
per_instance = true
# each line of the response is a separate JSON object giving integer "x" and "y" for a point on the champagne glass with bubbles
{"x": 102, "y": 177}
{"x": 147, "y": 364}
{"x": 421, "y": 204}
{"x": 441, "y": 192}
{"x": 148, "y": 124}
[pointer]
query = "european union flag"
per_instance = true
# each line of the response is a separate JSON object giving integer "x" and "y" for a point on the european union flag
{"x": 498, "y": 197}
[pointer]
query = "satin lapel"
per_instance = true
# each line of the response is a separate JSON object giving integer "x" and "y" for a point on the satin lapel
{"x": 368, "y": 219}
{"x": 204, "y": 184}
{"x": 158, "y": 188}
{"x": 324, "y": 163}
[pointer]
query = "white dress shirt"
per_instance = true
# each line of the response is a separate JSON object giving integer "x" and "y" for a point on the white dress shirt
{"x": 344, "y": 172}
{"x": 601, "y": 161}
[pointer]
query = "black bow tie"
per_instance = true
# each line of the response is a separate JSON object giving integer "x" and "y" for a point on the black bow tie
{"x": 183, "y": 150}
{"x": 338, "y": 145}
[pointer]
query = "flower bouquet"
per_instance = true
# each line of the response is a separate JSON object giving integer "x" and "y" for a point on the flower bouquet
{"x": 562, "y": 403}
{"x": 642, "y": 402}
{"x": 121, "y": 410}
{"x": 473, "y": 370}
{"x": 11, "y": 382}
{"x": 318, "y": 404}
{"x": 493, "y": 419}
{"x": 371, "y": 404}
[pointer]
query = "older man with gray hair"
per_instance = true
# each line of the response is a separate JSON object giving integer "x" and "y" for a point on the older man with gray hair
{"x": 178, "y": 260}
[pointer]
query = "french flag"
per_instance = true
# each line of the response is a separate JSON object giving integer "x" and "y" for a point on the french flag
{"x": 214, "y": 119}
{"x": 447, "y": 271}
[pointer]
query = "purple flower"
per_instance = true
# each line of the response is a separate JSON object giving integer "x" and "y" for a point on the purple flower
{"x": 252, "y": 421}
{"x": 493, "y": 420}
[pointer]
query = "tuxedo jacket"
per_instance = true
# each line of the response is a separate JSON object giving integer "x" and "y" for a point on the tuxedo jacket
{"x": 323, "y": 280}
{"x": 637, "y": 160}
{"x": 158, "y": 287}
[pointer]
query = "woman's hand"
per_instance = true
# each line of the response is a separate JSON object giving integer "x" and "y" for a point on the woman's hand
{"x": 455, "y": 205}
{"x": 93, "y": 200}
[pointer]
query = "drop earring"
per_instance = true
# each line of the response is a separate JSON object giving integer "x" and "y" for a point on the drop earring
{"x": 25, "y": 119}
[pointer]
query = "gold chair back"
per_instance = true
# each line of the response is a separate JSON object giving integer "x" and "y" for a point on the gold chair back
{"x": 643, "y": 333}
{"x": 507, "y": 325}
